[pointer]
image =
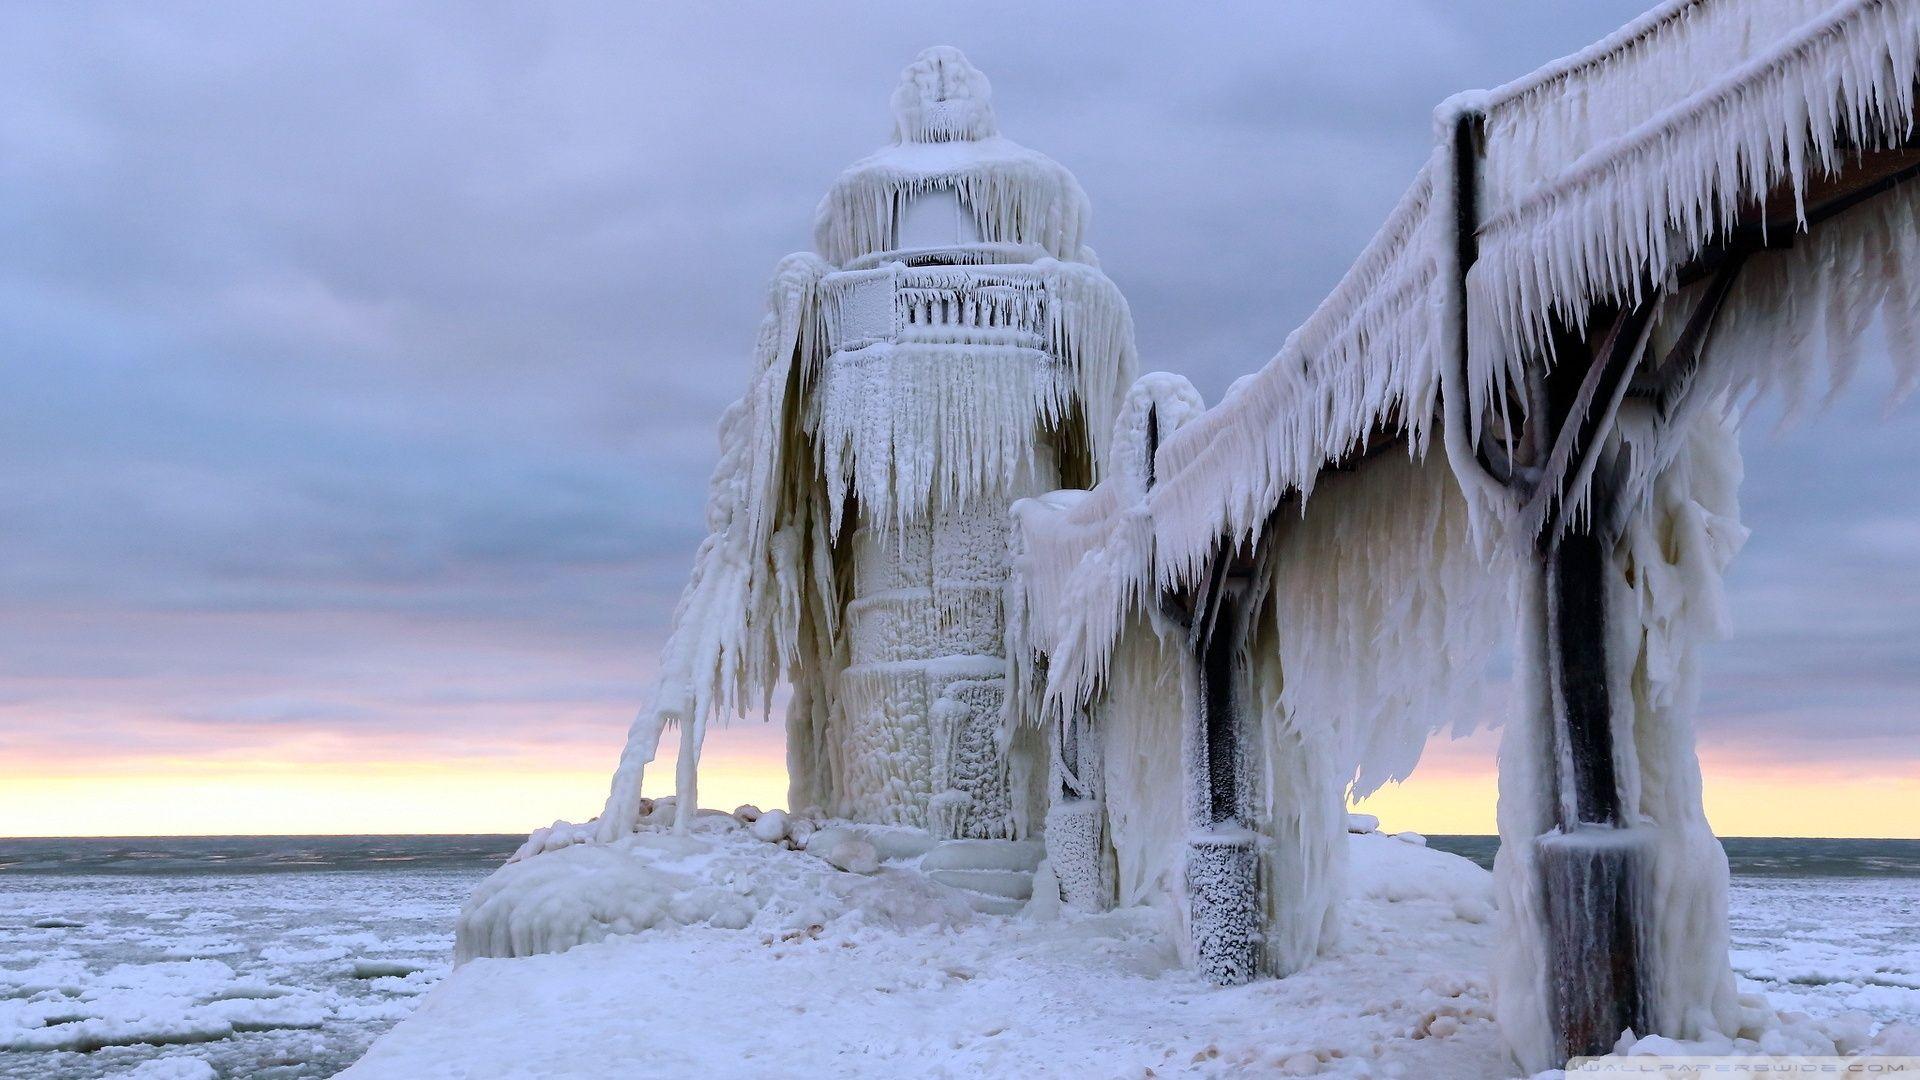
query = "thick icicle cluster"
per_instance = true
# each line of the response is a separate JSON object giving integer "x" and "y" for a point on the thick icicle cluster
{"x": 1799, "y": 321}
{"x": 1386, "y": 613}
{"x": 1377, "y": 596}
{"x": 1603, "y": 173}
{"x": 942, "y": 375}
{"x": 1608, "y": 173}
{"x": 1020, "y": 201}
{"x": 738, "y": 625}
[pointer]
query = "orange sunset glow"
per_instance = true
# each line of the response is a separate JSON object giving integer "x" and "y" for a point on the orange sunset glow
{"x": 313, "y": 788}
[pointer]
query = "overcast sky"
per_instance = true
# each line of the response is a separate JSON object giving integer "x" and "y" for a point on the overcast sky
{"x": 362, "y": 361}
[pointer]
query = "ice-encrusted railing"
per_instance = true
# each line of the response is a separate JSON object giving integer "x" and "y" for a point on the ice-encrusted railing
{"x": 1003, "y": 305}
{"x": 1360, "y": 362}
{"x": 1544, "y": 121}
{"x": 933, "y": 381}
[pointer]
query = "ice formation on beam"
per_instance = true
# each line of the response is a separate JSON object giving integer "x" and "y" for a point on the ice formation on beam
{"x": 1611, "y": 172}
{"x": 1359, "y": 369}
{"x": 950, "y": 349}
{"x": 1606, "y": 172}
{"x": 1388, "y": 604}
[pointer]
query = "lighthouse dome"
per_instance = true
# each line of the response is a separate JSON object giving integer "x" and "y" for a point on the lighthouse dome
{"x": 951, "y": 186}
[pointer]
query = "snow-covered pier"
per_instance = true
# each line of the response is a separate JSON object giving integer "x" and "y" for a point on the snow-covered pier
{"x": 1513, "y": 416}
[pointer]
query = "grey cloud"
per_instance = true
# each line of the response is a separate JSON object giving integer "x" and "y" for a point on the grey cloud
{"x": 411, "y": 322}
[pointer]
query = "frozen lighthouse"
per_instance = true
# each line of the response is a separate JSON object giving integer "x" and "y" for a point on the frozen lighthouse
{"x": 971, "y": 348}
{"x": 950, "y": 346}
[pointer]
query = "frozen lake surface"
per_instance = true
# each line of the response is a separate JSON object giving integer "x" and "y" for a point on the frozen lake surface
{"x": 263, "y": 957}
{"x": 285, "y": 957}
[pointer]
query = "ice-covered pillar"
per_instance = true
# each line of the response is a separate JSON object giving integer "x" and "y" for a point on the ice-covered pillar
{"x": 1632, "y": 883}
{"x": 1612, "y": 883}
{"x": 1581, "y": 900}
{"x": 1620, "y": 489}
{"x": 1076, "y": 814}
{"x": 1590, "y": 863}
{"x": 1222, "y": 854}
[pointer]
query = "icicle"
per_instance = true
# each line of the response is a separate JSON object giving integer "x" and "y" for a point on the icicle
{"x": 928, "y": 403}
{"x": 1082, "y": 563}
{"x": 1388, "y": 611}
{"x": 1613, "y": 170}
{"x": 1361, "y": 363}
{"x": 1141, "y": 769}
{"x": 1022, "y": 202}
{"x": 743, "y": 579}
{"x": 1811, "y": 308}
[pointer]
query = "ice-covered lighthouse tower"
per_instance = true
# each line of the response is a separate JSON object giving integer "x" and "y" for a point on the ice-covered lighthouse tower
{"x": 950, "y": 347}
